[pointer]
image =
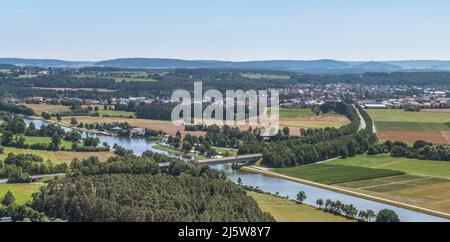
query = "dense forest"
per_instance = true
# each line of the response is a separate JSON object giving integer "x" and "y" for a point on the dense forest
{"x": 131, "y": 188}
{"x": 18, "y": 109}
{"x": 147, "y": 198}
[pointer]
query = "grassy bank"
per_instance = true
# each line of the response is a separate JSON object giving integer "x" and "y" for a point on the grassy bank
{"x": 284, "y": 210}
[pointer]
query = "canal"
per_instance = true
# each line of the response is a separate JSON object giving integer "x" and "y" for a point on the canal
{"x": 270, "y": 184}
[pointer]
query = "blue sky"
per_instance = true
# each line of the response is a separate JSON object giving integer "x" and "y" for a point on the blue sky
{"x": 226, "y": 29}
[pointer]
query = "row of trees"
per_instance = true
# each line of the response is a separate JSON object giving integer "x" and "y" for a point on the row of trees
{"x": 320, "y": 144}
{"x": 422, "y": 150}
{"x": 350, "y": 211}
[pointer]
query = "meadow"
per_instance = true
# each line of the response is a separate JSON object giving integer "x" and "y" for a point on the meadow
{"x": 168, "y": 150}
{"x": 58, "y": 156}
{"x": 39, "y": 108}
{"x": 46, "y": 140}
{"x": 333, "y": 174}
{"x": 116, "y": 113}
{"x": 385, "y": 161}
{"x": 284, "y": 210}
{"x": 22, "y": 192}
{"x": 293, "y": 113}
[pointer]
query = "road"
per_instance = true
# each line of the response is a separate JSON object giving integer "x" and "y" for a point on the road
{"x": 36, "y": 177}
{"x": 362, "y": 124}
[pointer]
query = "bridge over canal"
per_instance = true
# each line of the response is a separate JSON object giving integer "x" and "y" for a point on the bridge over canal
{"x": 224, "y": 160}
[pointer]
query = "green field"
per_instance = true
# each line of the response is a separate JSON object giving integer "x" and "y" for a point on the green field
{"x": 22, "y": 192}
{"x": 52, "y": 109}
{"x": 394, "y": 183}
{"x": 46, "y": 155}
{"x": 407, "y": 126}
{"x": 385, "y": 161}
{"x": 58, "y": 156}
{"x": 46, "y": 140}
{"x": 259, "y": 76}
{"x": 116, "y": 113}
{"x": 400, "y": 120}
{"x": 333, "y": 174}
{"x": 226, "y": 152}
{"x": 167, "y": 149}
{"x": 293, "y": 113}
{"x": 284, "y": 210}
{"x": 396, "y": 115}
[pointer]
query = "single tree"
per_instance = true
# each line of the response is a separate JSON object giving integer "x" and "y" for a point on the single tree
{"x": 286, "y": 131}
{"x": 239, "y": 181}
{"x": 370, "y": 215}
{"x": 301, "y": 196}
{"x": 319, "y": 203}
{"x": 46, "y": 115}
{"x": 8, "y": 199}
{"x": 387, "y": 215}
{"x": 73, "y": 121}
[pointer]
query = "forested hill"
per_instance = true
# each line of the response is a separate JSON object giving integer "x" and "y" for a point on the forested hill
{"x": 147, "y": 198}
{"x": 324, "y": 66}
{"x": 175, "y": 63}
{"x": 42, "y": 62}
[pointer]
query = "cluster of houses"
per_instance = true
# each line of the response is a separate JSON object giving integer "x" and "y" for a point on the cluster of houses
{"x": 312, "y": 95}
{"x": 112, "y": 101}
{"x": 431, "y": 100}
{"x": 428, "y": 98}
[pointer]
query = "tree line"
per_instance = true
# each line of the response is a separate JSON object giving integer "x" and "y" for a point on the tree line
{"x": 320, "y": 145}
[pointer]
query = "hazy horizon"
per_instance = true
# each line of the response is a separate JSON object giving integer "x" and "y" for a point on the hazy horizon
{"x": 98, "y": 60}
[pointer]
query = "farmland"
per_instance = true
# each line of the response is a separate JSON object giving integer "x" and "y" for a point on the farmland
{"x": 396, "y": 115}
{"x": 296, "y": 119}
{"x": 333, "y": 174}
{"x": 284, "y": 210}
{"x": 116, "y": 113}
{"x": 39, "y": 108}
{"x": 385, "y": 161}
{"x": 425, "y": 184}
{"x": 259, "y": 76}
{"x": 58, "y": 156}
{"x": 294, "y": 113}
{"x": 429, "y": 192}
{"x": 411, "y": 126}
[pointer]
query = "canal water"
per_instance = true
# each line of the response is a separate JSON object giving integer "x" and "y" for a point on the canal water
{"x": 290, "y": 189}
{"x": 138, "y": 146}
{"x": 270, "y": 184}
